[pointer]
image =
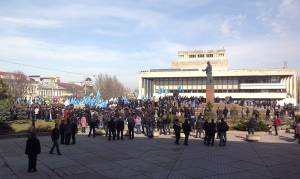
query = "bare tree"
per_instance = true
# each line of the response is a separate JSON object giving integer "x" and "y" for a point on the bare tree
{"x": 17, "y": 84}
{"x": 3, "y": 90}
{"x": 109, "y": 86}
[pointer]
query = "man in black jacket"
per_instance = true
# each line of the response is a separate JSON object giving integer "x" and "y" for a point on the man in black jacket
{"x": 177, "y": 129}
{"x": 55, "y": 138}
{"x": 68, "y": 132}
{"x": 131, "y": 125}
{"x": 211, "y": 132}
{"x": 33, "y": 148}
{"x": 186, "y": 127}
{"x": 222, "y": 129}
{"x": 120, "y": 128}
{"x": 111, "y": 128}
{"x": 206, "y": 129}
{"x": 74, "y": 129}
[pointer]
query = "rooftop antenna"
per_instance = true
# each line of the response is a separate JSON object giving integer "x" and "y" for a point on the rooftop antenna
{"x": 284, "y": 64}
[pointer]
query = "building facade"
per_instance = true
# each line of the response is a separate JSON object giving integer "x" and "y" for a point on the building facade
{"x": 186, "y": 77}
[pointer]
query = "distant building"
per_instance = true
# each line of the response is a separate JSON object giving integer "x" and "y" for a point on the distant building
{"x": 186, "y": 77}
{"x": 50, "y": 87}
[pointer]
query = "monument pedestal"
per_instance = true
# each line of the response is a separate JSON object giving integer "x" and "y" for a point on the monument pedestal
{"x": 210, "y": 93}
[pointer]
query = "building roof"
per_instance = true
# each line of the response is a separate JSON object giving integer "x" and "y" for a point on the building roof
{"x": 71, "y": 86}
{"x": 12, "y": 75}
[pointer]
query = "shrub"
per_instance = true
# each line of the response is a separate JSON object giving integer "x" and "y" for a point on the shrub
{"x": 209, "y": 107}
{"x": 262, "y": 126}
{"x": 240, "y": 125}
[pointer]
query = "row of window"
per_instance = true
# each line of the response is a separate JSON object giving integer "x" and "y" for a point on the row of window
{"x": 210, "y": 55}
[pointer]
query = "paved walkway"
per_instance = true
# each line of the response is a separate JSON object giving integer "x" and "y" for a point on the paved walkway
{"x": 272, "y": 157}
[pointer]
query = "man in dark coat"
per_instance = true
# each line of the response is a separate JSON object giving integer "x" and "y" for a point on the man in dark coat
{"x": 68, "y": 132}
{"x": 186, "y": 127}
{"x": 33, "y": 148}
{"x": 177, "y": 129}
{"x": 62, "y": 131}
{"x": 111, "y": 128}
{"x": 92, "y": 123}
{"x": 74, "y": 129}
{"x": 211, "y": 132}
{"x": 120, "y": 128}
{"x": 222, "y": 129}
{"x": 55, "y": 138}
{"x": 206, "y": 129}
{"x": 131, "y": 125}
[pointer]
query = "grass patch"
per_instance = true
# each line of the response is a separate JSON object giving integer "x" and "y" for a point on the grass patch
{"x": 21, "y": 126}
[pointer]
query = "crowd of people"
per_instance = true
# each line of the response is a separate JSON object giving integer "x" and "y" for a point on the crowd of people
{"x": 166, "y": 116}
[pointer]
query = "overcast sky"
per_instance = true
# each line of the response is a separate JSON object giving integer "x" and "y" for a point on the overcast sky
{"x": 122, "y": 37}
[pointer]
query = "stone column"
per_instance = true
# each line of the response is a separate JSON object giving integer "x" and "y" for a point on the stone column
{"x": 210, "y": 93}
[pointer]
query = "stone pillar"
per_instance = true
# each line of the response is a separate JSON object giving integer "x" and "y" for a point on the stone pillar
{"x": 210, "y": 93}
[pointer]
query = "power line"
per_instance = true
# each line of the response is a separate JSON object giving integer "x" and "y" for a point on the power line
{"x": 44, "y": 68}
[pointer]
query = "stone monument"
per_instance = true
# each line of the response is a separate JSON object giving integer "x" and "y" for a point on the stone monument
{"x": 210, "y": 90}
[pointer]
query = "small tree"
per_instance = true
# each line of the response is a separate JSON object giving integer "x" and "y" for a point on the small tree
{"x": 208, "y": 113}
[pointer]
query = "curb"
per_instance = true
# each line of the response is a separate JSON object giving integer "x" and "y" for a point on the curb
{"x": 22, "y": 135}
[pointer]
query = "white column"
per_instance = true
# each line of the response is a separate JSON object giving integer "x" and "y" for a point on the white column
{"x": 288, "y": 84}
{"x": 140, "y": 86}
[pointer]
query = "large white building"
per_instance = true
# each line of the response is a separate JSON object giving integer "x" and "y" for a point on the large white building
{"x": 187, "y": 77}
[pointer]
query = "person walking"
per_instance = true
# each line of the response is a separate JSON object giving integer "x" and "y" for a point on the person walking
{"x": 33, "y": 148}
{"x": 276, "y": 123}
{"x": 186, "y": 127}
{"x": 55, "y": 138}
{"x": 177, "y": 130}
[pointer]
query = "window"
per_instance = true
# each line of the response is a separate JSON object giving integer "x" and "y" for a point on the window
{"x": 221, "y": 55}
{"x": 200, "y": 55}
{"x": 181, "y": 56}
{"x": 209, "y": 55}
{"x": 192, "y": 56}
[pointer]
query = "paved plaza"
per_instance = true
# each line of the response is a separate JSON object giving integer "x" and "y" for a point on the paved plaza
{"x": 272, "y": 157}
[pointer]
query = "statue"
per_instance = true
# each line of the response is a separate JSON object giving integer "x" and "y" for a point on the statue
{"x": 208, "y": 71}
